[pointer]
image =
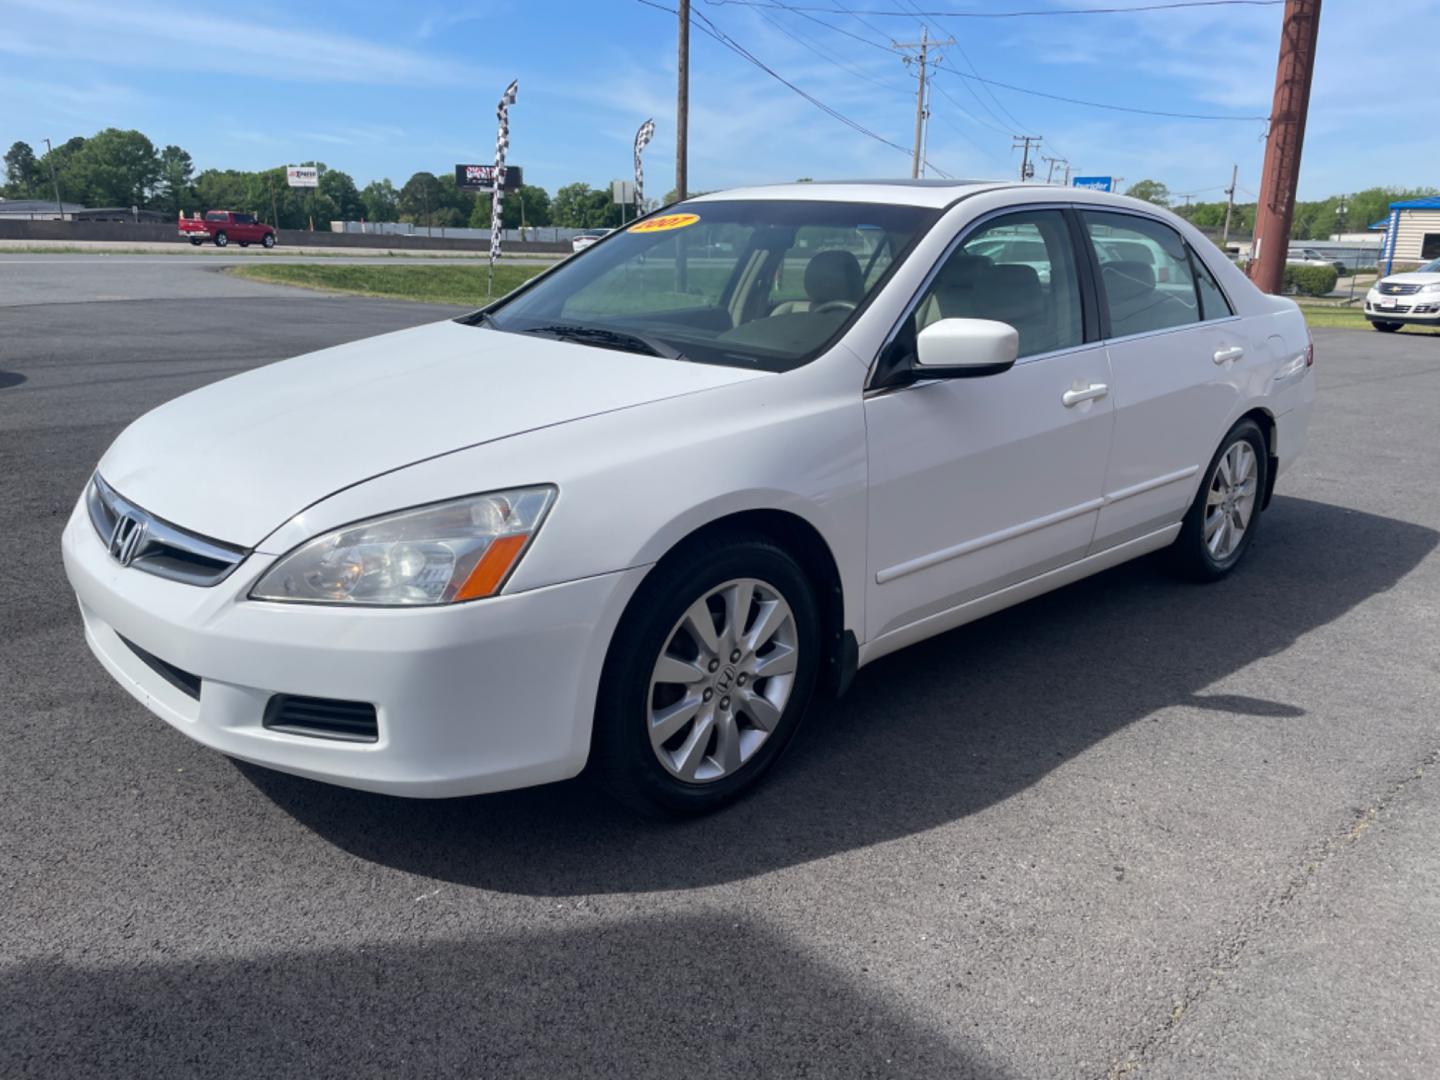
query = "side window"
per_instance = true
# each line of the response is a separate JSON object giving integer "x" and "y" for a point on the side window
{"x": 1213, "y": 304}
{"x": 1018, "y": 269}
{"x": 1145, "y": 276}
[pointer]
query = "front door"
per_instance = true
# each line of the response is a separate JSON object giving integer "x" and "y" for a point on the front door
{"x": 976, "y": 484}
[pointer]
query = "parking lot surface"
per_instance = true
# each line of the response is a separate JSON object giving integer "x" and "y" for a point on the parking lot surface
{"x": 1135, "y": 827}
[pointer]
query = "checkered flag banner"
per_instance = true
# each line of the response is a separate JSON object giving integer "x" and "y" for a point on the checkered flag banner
{"x": 502, "y": 144}
{"x": 642, "y": 140}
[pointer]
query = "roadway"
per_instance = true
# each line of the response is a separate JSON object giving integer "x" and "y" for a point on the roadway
{"x": 1135, "y": 827}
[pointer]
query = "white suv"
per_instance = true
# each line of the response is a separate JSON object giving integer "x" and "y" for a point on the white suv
{"x": 1412, "y": 297}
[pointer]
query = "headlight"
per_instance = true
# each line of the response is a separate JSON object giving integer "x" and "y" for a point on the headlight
{"x": 437, "y": 554}
{"x": 1431, "y": 288}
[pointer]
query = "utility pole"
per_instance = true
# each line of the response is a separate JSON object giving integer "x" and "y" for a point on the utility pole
{"x": 1293, "y": 74}
{"x": 922, "y": 113}
{"x": 1067, "y": 174}
{"x": 682, "y": 103}
{"x": 1027, "y": 171}
{"x": 1053, "y": 161}
{"x": 1229, "y": 203}
{"x": 50, "y": 157}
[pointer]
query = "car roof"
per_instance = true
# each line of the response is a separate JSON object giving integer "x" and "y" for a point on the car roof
{"x": 936, "y": 194}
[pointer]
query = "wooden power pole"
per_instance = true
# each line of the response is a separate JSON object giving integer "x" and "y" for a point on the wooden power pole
{"x": 1281, "y": 174}
{"x": 1229, "y": 204}
{"x": 922, "y": 111}
{"x": 682, "y": 103}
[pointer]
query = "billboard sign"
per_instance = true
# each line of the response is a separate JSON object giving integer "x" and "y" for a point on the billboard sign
{"x": 302, "y": 176}
{"x": 1094, "y": 183}
{"x": 482, "y": 177}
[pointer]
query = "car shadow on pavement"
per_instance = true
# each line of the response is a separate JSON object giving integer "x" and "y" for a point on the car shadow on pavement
{"x": 710, "y": 994}
{"x": 926, "y": 736}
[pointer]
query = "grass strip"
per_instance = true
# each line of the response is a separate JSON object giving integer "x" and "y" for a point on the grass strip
{"x": 463, "y": 285}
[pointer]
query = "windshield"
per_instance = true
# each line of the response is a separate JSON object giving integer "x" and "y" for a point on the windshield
{"x": 752, "y": 283}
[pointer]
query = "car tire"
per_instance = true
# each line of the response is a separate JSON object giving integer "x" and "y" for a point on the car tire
{"x": 194, "y": 243}
{"x": 1386, "y": 327}
{"x": 269, "y": 240}
{"x": 244, "y": 243}
{"x": 1221, "y": 523}
{"x": 692, "y": 744}
{"x": 221, "y": 240}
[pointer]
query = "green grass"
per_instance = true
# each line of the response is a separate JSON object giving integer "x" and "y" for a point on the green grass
{"x": 1348, "y": 318}
{"x": 430, "y": 284}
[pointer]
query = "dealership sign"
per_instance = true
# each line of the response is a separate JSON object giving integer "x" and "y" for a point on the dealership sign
{"x": 302, "y": 176}
{"x": 1095, "y": 183}
{"x": 482, "y": 177}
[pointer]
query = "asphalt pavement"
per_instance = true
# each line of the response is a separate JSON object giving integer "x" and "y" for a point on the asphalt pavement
{"x": 1135, "y": 827}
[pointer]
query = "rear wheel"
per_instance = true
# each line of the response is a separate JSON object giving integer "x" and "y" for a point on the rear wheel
{"x": 1221, "y": 522}
{"x": 221, "y": 240}
{"x": 1386, "y": 327}
{"x": 709, "y": 677}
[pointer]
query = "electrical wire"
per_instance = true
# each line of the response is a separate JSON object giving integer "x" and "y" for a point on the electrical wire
{"x": 1173, "y": 5}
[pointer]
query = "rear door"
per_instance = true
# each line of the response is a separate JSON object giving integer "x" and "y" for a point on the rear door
{"x": 976, "y": 484}
{"x": 1178, "y": 356}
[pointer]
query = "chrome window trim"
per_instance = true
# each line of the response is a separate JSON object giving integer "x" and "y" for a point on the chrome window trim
{"x": 158, "y": 535}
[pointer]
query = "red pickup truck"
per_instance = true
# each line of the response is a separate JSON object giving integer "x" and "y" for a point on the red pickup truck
{"x": 226, "y": 227}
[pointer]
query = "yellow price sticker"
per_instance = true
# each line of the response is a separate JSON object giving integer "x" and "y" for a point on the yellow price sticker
{"x": 664, "y": 223}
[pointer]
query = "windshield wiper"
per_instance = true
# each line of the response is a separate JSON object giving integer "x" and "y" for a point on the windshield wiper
{"x": 606, "y": 338}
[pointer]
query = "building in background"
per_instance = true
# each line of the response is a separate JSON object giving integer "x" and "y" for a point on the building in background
{"x": 1412, "y": 235}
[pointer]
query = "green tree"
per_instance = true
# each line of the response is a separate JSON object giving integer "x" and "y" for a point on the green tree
{"x": 23, "y": 176}
{"x": 339, "y": 197}
{"x": 535, "y": 200}
{"x": 176, "y": 189}
{"x": 1152, "y": 191}
{"x": 579, "y": 206}
{"x": 224, "y": 189}
{"x": 115, "y": 168}
{"x": 381, "y": 201}
{"x": 420, "y": 198}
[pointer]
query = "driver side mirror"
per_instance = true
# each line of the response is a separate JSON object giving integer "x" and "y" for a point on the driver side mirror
{"x": 965, "y": 348}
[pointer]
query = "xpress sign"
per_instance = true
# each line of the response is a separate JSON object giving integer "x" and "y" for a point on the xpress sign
{"x": 302, "y": 176}
{"x": 482, "y": 177}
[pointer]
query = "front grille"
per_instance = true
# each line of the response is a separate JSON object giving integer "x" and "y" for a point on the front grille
{"x": 322, "y": 718}
{"x": 137, "y": 538}
{"x": 1396, "y": 288}
{"x": 182, "y": 680}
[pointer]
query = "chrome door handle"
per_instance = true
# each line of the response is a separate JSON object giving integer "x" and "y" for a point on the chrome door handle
{"x": 1234, "y": 352}
{"x": 1071, "y": 398}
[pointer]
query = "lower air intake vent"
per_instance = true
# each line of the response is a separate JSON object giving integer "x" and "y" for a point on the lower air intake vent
{"x": 322, "y": 718}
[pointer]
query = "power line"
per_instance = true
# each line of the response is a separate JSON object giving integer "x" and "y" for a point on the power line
{"x": 1103, "y": 104}
{"x": 820, "y": 52}
{"x": 1171, "y": 6}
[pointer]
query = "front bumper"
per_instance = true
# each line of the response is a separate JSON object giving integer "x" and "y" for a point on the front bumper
{"x": 471, "y": 698}
{"x": 1422, "y": 307}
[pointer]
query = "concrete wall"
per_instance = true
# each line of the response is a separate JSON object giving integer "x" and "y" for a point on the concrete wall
{"x": 127, "y": 232}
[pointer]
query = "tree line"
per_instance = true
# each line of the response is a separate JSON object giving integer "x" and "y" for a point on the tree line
{"x": 124, "y": 168}
{"x": 1313, "y": 220}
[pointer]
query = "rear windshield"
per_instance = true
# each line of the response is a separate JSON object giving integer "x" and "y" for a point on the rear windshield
{"x": 752, "y": 283}
{"x": 217, "y": 215}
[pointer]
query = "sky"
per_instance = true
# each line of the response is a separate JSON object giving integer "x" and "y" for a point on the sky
{"x": 384, "y": 89}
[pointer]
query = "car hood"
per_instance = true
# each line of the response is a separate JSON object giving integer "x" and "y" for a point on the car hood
{"x": 236, "y": 459}
{"x": 1414, "y": 277}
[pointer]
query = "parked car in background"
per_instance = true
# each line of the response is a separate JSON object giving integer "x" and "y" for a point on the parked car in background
{"x": 659, "y": 507}
{"x": 1311, "y": 257}
{"x": 582, "y": 240}
{"x": 1412, "y": 297}
{"x": 227, "y": 227}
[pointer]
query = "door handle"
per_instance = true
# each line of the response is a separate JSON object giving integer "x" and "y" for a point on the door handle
{"x": 1071, "y": 398}
{"x": 1234, "y": 352}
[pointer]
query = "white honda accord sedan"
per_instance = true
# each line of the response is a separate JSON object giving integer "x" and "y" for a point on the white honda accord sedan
{"x": 638, "y": 514}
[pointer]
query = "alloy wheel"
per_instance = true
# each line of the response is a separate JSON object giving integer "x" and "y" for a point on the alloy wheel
{"x": 720, "y": 684}
{"x": 1231, "y": 500}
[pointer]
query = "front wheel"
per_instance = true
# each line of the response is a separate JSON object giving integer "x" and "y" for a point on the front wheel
{"x": 1222, "y": 520}
{"x": 1386, "y": 327}
{"x": 221, "y": 240}
{"x": 269, "y": 240}
{"x": 708, "y": 679}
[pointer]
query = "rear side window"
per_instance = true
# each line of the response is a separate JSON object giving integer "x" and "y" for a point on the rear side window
{"x": 1146, "y": 282}
{"x": 1213, "y": 302}
{"x": 217, "y": 215}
